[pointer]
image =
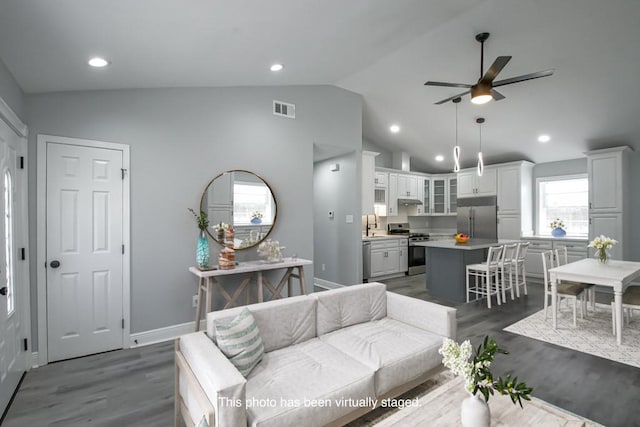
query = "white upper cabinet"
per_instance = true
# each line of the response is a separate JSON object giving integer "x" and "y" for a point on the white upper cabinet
{"x": 368, "y": 179}
{"x": 605, "y": 168}
{"x": 515, "y": 188}
{"x": 407, "y": 186}
{"x": 392, "y": 206}
{"x": 381, "y": 180}
{"x": 470, "y": 184}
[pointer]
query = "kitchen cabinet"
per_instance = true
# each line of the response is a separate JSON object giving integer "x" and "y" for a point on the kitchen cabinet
{"x": 469, "y": 184}
{"x": 608, "y": 174}
{"x": 380, "y": 180}
{"x": 407, "y": 186}
{"x": 392, "y": 199}
{"x": 368, "y": 179}
{"x": 576, "y": 250}
{"x": 453, "y": 195}
{"x": 424, "y": 187}
{"x": 514, "y": 198}
{"x": 388, "y": 257}
{"x": 439, "y": 196}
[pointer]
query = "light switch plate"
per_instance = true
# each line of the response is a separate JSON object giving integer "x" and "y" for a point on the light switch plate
{"x": 349, "y": 219}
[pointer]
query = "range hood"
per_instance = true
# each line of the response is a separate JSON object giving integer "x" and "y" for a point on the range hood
{"x": 409, "y": 202}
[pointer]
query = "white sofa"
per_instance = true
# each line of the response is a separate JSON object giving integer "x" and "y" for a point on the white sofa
{"x": 357, "y": 342}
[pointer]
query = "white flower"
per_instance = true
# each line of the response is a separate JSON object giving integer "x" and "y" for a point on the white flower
{"x": 557, "y": 223}
{"x": 602, "y": 242}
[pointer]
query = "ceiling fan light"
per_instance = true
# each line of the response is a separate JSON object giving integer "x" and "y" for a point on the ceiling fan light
{"x": 480, "y": 94}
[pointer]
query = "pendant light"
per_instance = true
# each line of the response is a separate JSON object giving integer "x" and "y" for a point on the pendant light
{"x": 480, "y": 121}
{"x": 456, "y": 148}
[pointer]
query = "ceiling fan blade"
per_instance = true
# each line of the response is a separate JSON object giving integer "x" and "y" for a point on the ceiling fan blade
{"x": 523, "y": 78}
{"x": 452, "y": 98}
{"x": 497, "y": 96}
{"x": 447, "y": 84}
{"x": 495, "y": 69}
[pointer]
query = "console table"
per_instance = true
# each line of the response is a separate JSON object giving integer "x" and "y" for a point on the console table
{"x": 207, "y": 281}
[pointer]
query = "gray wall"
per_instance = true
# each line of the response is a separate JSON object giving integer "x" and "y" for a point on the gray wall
{"x": 10, "y": 92}
{"x": 384, "y": 159}
{"x": 337, "y": 244}
{"x": 180, "y": 139}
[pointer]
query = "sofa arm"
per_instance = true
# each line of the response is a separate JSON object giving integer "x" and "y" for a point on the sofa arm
{"x": 425, "y": 315}
{"x": 223, "y": 385}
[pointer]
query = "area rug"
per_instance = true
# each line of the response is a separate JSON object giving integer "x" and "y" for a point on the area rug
{"x": 593, "y": 334}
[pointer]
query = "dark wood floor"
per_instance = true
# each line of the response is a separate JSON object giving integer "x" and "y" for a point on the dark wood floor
{"x": 135, "y": 387}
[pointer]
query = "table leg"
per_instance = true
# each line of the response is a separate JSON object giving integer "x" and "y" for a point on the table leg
{"x": 199, "y": 304}
{"x": 554, "y": 301}
{"x": 210, "y": 281}
{"x": 619, "y": 316}
{"x": 260, "y": 291}
{"x": 301, "y": 279}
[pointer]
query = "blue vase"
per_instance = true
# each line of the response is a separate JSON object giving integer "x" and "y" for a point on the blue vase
{"x": 202, "y": 251}
{"x": 558, "y": 232}
{"x": 256, "y": 220}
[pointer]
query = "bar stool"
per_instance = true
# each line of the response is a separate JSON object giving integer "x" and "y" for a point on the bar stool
{"x": 561, "y": 259}
{"x": 568, "y": 291}
{"x": 507, "y": 264}
{"x": 488, "y": 273}
{"x": 521, "y": 271}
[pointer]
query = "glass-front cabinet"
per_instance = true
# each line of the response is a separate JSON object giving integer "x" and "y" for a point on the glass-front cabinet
{"x": 426, "y": 196}
{"x": 439, "y": 196}
{"x": 453, "y": 195}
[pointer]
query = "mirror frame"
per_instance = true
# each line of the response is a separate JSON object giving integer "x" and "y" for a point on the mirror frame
{"x": 275, "y": 202}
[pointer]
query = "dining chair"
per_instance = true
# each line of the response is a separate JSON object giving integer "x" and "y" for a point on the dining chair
{"x": 521, "y": 270}
{"x": 562, "y": 258}
{"x": 568, "y": 291}
{"x": 486, "y": 276}
{"x": 630, "y": 301}
{"x": 507, "y": 266}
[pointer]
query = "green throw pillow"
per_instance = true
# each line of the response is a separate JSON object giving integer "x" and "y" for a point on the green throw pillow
{"x": 240, "y": 341}
{"x": 203, "y": 422}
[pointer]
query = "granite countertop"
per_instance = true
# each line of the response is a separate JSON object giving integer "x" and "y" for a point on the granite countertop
{"x": 472, "y": 244}
{"x": 543, "y": 237}
{"x": 382, "y": 237}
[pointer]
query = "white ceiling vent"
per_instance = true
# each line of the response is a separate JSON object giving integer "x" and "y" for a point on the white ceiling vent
{"x": 283, "y": 109}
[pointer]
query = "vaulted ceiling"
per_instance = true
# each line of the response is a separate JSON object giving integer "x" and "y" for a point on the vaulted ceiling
{"x": 382, "y": 49}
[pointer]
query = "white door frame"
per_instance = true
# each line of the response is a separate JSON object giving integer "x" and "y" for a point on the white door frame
{"x": 21, "y": 129}
{"x": 43, "y": 358}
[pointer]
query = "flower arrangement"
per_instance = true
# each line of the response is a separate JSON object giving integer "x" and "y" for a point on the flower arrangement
{"x": 202, "y": 219}
{"x": 477, "y": 374}
{"x": 557, "y": 223}
{"x": 256, "y": 214}
{"x": 601, "y": 244}
{"x": 221, "y": 227}
{"x": 271, "y": 250}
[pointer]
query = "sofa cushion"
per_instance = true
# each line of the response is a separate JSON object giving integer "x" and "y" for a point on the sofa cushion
{"x": 350, "y": 305}
{"x": 281, "y": 322}
{"x": 313, "y": 371}
{"x": 240, "y": 341}
{"x": 397, "y": 352}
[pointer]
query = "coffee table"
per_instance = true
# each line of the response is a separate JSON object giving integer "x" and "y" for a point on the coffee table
{"x": 441, "y": 407}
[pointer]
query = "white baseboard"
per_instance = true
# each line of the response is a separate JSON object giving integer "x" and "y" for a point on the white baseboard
{"x": 167, "y": 333}
{"x": 325, "y": 284}
{"x": 34, "y": 360}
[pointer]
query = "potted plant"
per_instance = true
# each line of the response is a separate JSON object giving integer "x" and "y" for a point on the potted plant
{"x": 478, "y": 378}
{"x": 202, "y": 250}
{"x": 256, "y": 217}
{"x": 557, "y": 228}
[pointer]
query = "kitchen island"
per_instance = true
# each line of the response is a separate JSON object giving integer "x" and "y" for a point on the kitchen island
{"x": 446, "y": 262}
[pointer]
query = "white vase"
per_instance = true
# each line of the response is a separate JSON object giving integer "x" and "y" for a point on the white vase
{"x": 475, "y": 412}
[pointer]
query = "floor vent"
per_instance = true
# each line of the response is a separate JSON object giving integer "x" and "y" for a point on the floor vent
{"x": 283, "y": 109}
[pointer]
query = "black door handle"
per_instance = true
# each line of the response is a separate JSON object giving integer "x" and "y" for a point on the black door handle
{"x": 55, "y": 264}
{"x": 3, "y": 290}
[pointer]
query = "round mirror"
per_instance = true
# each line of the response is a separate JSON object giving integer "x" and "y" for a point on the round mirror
{"x": 244, "y": 200}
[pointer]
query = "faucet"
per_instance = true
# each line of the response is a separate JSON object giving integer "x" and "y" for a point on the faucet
{"x": 375, "y": 224}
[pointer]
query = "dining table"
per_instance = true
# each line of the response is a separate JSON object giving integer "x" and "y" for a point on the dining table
{"x": 614, "y": 274}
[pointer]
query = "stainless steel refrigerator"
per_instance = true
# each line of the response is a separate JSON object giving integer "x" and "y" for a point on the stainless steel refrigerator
{"x": 478, "y": 217}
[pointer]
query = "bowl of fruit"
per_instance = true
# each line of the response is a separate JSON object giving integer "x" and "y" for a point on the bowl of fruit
{"x": 461, "y": 238}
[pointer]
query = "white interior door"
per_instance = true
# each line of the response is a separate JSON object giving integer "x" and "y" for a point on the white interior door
{"x": 14, "y": 284}
{"x": 84, "y": 250}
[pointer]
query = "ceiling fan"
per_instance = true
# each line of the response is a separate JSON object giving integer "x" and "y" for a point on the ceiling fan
{"x": 483, "y": 91}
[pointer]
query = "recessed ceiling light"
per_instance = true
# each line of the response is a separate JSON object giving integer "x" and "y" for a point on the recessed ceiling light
{"x": 98, "y": 62}
{"x": 544, "y": 138}
{"x": 394, "y": 128}
{"x": 439, "y": 158}
{"x": 276, "y": 67}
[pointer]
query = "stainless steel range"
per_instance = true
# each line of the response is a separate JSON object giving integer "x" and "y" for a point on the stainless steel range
{"x": 417, "y": 258}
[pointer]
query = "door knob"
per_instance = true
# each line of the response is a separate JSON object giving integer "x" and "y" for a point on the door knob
{"x": 55, "y": 264}
{"x": 3, "y": 290}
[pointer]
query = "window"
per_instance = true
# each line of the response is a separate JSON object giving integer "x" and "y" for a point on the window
{"x": 8, "y": 241}
{"x": 249, "y": 197}
{"x": 567, "y": 198}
